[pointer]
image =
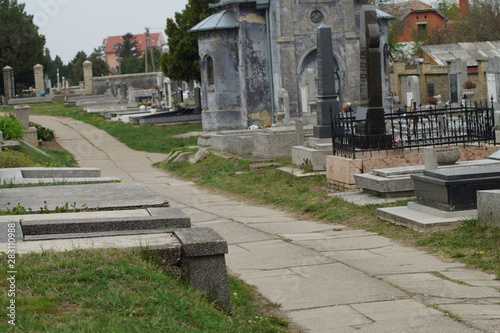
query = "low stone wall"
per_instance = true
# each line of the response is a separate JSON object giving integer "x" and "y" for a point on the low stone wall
{"x": 341, "y": 170}
{"x": 142, "y": 81}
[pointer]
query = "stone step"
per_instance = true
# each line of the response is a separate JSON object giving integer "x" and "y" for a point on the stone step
{"x": 160, "y": 218}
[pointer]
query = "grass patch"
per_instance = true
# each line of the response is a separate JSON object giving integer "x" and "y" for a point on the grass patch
{"x": 27, "y": 157}
{"x": 119, "y": 291}
{"x": 476, "y": 245}
{"x": 150, "y": 138}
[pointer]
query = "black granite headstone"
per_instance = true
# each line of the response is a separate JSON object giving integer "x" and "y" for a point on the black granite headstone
{"x": 327, "y": 95}
{"x": 453, "y": 189}
{"x": 370, "y": 115}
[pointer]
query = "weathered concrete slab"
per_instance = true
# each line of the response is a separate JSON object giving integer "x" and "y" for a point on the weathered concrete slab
{"x": 237, "y": 233}
{"x": 160, "y": 218}
{"x": 151, "y": 241}
{"x": 393, "y": 259}
{"x": 295, "y": 288}
{"x": 293, "y": 227}
{"x": 272, "y": 255}
{"x": 430, "y": 285}
{"x": 102, "y": 196}
{"x": 339, "y": 318}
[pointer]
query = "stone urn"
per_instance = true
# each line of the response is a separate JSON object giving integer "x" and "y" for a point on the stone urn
{"x": 447, "y": 155}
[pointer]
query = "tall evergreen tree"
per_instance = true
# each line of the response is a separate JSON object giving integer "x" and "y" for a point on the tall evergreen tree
{"x": 182, "y": 61}
{"x": 21, "y": 46}
{"x": 128, "y": 55}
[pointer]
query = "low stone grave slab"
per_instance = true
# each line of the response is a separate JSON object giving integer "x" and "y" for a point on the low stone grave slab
{"x": 37, "y": 175}
{"x": 219, "y": 141}
{"x": 274, "y": 142}
{"x": 423, "y": 218}
{"x": 453, "y": 189}
{"x": 240, "y": 145}
{"x": 78, "y": 226}
{"x": 95, "y": 196}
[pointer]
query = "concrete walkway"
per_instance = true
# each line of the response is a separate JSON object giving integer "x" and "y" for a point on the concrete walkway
{"x": 326, "y": 280}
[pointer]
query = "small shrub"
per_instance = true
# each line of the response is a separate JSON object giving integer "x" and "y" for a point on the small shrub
{"x": 11, "y": 128}
{"x": 469, "y": 85}
{"x": 432, "y": 100}
{"x": 15, "y": 159}
{"x": 43, "y": 133}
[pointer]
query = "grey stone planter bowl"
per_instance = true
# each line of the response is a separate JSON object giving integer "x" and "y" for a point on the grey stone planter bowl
{"x": 447, "y": 155}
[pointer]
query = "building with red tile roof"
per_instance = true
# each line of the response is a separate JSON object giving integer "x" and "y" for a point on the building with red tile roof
{"x": 112, "y": 46}
{"x": 415, "y": 16}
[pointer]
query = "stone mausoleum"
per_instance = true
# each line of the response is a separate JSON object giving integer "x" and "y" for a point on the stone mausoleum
{"x": 251, "y": 50}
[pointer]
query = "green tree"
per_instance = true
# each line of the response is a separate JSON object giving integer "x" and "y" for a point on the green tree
{"x": 448, "y": 8}
{"x": 21, "y": 46}
{"x": 394, "y": 30}
{"x": 76, "y": 68}
{"x": 128, "y": 55}
{"x": 481, "y": 24}
{"x": 182, "y": 61}
{"x": 99, "y": 66}
{"x": 152, "y": 52}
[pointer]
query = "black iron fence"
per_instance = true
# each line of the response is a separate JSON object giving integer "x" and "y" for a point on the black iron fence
{"x": 404, "y": 128}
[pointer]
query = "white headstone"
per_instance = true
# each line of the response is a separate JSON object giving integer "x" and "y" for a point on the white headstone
{"x": 412, "y": 89}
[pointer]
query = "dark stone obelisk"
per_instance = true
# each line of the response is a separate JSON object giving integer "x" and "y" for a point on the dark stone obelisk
{"x": 327, "y": 96}
{"x": 370, "y": 114}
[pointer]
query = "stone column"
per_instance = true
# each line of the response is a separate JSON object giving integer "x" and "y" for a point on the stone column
{"x": 88, "y": 78}
{"x": 8, "y": 83}
{"x": 169, "y": 92}
{"x": 39, "y": 80}
{"x": 327, "y": 95}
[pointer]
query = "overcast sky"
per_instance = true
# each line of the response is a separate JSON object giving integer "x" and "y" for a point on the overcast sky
{"x": 70, "y": 26}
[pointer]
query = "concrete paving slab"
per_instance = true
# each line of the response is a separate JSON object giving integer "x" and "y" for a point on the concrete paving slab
{"x": 271, "y": 254}
{"x": 102, "y": 196}
{"x": 403, "y": 309}
{"x": 276, "y": 218}
{"x": 293, "y": 227}
{"x": 483, "y": 317}
{"x": 475, "y": 278}
{"x": 344, "y": 244}
{"x": 391, "y": 262}
{"x": 198, "y": 215}
{"x": 422, "y": 324}
{"x": 297, "y": 288}
{"x": 336, "y": 318}
{"x": 432, "y": 286}
{"x": 237, "y": 233}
